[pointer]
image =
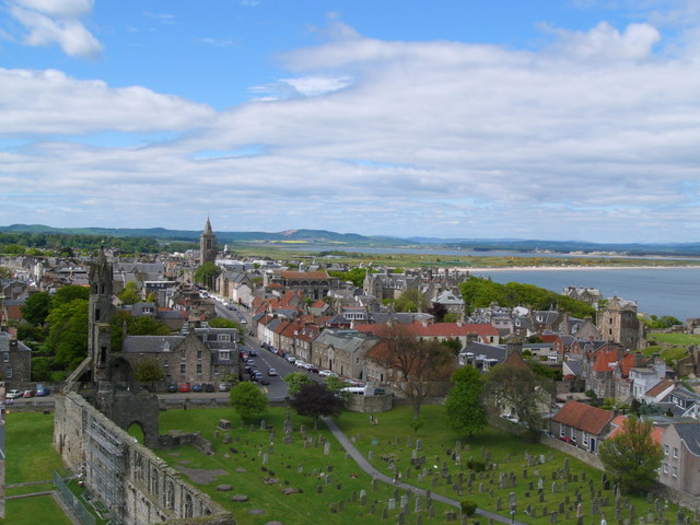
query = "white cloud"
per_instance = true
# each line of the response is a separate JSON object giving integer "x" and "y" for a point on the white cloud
{"x": 48, "y": 22}
{"x": 583, "y": 140}
{"x": 40, "y": 102}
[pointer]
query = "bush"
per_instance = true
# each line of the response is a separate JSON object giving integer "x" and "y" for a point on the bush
{"x": 468, "y": 507}
{"x": 476, "y": 466}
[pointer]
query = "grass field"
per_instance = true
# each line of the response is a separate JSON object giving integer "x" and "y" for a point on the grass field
{"x": 29, "y": 450}
{"x": 284, "y": 464}
{"x": 392, "y": 440}
{"x": 39, "y": 510}
{"x": 675, "y": 339}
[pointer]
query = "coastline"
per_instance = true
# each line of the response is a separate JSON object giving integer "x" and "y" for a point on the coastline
{"x": 573, "y": 268}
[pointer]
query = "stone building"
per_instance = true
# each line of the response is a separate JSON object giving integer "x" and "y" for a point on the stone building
{"x": 581, "y": 425}
{"x": 207, "y": 245}
{"x": 16, "y": 361}
{"x": 680, "y": 466}
{"x": 314, "y": 285}
{"x": 619, "y": 323}
{"x": 342, "y": 351}
{"x": 203, "y": 355}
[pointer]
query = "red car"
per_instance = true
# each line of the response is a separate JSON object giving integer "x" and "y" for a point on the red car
{"x": 183, "y": 387}
{"x": 29, "y": 393}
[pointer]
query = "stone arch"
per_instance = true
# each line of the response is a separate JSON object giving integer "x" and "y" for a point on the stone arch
{"x": 188, "y": 506}
{"x": 169, "y": 495}
{"x": 120, "y": 371}
{"x": 136, "y": 430}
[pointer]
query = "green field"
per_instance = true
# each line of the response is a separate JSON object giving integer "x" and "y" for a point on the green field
{"x": 29, "y": 450}
{"x": 392, "y": 440}
{"x": 675, "y": 339}
{"x": 39, "y": 510}
{"x": 284, "y": 463}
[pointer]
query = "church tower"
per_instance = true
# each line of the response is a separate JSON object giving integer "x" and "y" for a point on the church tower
{"x": 207, "y": 245}
{"x": 100, "y": 317}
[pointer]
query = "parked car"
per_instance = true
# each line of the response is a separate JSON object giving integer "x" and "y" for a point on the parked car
{"x": 172, "y": 388}
{"x": 291, "y": 359}
{"x": 197, "y": 388}
{"x": 224, "y": 387}
{"x": 29, "y": 393}
{"x": 327, "y": 373}
{"x": 183, "y": 387}
{"x": 263, "y": 381}
{"x": 208, "y": 387}
{"x": 42, "y": 391}
{"x": 14, "y": 394}
{"x": 253, "y": 353}
{"x": 272, "y": 372}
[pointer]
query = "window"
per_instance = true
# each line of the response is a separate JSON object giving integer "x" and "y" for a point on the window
{"x": 224, "y": 356}
{"x": 199, "y": 354}
{"x": 183, "y": 368}
{"x": 675, "y": 452}
{"x": 665, "y": 469}
{"x": 666, "y": 449}
{"x": 585, "y": 438}
{"x": 675, "y": 472}
{"x": 6, "y": 357}
{"x": 199, "y": 368}
{"x": 573, "y": 434}
{"x": 8, "y": 372}
{"x": 562, "y": 431}
{"x": 224, "y": 338}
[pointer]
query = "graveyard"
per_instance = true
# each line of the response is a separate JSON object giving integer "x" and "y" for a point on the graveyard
{"x": 299, "y": 476}
{"x": 542, "y": 485}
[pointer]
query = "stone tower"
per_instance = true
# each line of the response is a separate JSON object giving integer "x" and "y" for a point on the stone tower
{"x": 100, "y": 317}
{"x": 207, "y": 245}
{"x": 619, "y": 323}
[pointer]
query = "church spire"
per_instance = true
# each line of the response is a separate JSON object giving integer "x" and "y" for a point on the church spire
{"x": 207, "y": 226}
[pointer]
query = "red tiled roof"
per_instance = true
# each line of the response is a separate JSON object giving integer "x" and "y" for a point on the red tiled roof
{"x": 657, "y": 432}
{"x": 301, "y": 276}
{"x": 584, "y": 417}
{"x": 318, "y": 304}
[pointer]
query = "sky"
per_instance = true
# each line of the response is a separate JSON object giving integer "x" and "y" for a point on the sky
{"x": 568, "y": 120}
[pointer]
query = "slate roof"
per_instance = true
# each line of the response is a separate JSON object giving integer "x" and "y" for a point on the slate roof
{"x": 690, "y": 434}
{"x": 584, "y": 417}
{"x": 304, "y": 276}
{"x": 5, "y": 344}
{"x": 151, "y": 343}
{"x": 347, "y": 340}
{"x": 659, "y": 387}
{"x": 488, "y": 351}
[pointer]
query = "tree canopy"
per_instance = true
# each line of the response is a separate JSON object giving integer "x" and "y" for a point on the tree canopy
{"x": 314, "y": 400}
{"x": 355, "y": 275}
{"x": 68, "y": 293}
{"x": 464, "y": 404}
{"x": 412, "y": 300}
{"x": 148, "y": 371}
{"x": 129, "y": 294}
{"x": 632, "y": 456}
{"x": 295, "y": 381}
{"x": 248, "y": 400}
{"x": 206, "y": 274}
{"x": 480, "y": 293}
{"x": 35, "y": 309}
{"x": 68, "y": 328}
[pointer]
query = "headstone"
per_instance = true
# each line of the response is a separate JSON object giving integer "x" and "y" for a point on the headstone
{"x": 326, "y": 448}
{"x": 391, "y": 504}
{"x": 265, "y": 459}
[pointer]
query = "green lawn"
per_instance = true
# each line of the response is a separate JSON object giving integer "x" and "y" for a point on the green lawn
{"x": 393, "y": 440}
{"x": 675, "y": 339}
{"x": 667, "y": 352}
{"x": 39, "y": 510}
{"x": 30, "y": 453}
{"x": 284, "y": 462}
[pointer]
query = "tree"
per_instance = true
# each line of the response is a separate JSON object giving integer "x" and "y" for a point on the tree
{"x": 295, "y": 381}
{"x": 68, "y": 328}
{"x": 632, "y": 456}
{"x": 149, "y": 371}
{"x": 450, "y": 317}
{"x": 412, "y": 300}
{"x": 453, "y": 344}
{"x": 36, "y": 308}
{"x": 314, "y": 400}
{"x": 141, "y": 325}
{"x": 206, "y": 274}
{"x": 129, "y": 294}
{"x": 416, "y": 366}
{"x": 248, "y": 400}
{"x": 335, "y": 384}
{"x": 464, "y": 404}
{"x": 69, "y": 293}
{"x": 513, "y": 386}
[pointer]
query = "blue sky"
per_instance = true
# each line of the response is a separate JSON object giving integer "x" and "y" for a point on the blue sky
{"x": 539, "y": 119}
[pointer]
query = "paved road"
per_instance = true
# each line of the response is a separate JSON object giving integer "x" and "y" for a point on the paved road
{"x": 369, "y": 469}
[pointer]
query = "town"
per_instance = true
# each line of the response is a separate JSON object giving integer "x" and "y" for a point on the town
{"x": 208, "y": 387}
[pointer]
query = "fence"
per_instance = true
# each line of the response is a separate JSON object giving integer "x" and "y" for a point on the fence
{"x": 72, "y": 501}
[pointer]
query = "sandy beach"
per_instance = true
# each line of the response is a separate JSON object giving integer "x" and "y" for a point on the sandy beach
{"x": 575, "y": 268}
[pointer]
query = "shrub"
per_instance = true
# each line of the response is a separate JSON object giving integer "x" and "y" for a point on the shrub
{"x": 476, "y": 466}
{"x": 468, "y": 507}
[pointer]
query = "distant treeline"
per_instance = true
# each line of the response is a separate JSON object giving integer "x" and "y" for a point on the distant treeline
{"x": 37, "y": 243}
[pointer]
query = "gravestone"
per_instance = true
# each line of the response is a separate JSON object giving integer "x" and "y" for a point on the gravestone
{"x": 326, "y": 448}
{"x": 391, "y": 504}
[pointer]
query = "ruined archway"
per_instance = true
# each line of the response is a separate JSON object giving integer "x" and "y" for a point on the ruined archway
{"x": 135, "y": 430}
{"x": 120, "y": 371}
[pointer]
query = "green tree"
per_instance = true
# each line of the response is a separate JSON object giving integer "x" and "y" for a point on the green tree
{"x": 69, "y": 293}
{"x": 142, "y": 325}
{"x": 5, "y": 272}
{"x": 334, "y": 384}
{"x": 412, "y": 300}
{"x": 464, "y": 405}
{"x": 35, "y": 309}
{"x": 295, "y": 381}
{"x": 356, "y": 276}
{"x": 515, "y": 388}
{"x": 315, "y": 400}
{"x": 149, "y": 371}
{"x": 222, "y": 322}
{"x": 453, "y": 344}
{"x": 207, "y": 274}
{"x": 450, "y": 317}
{"x": 632, "y": 456}
{"x": 248, "y": 400}
{"x": 129, "y": 294}
{"x": 68, "y": 328}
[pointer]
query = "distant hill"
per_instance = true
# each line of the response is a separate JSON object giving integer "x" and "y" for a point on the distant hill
{"x": 356, "y": 240}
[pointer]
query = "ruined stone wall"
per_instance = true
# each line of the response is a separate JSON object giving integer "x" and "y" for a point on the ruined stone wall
{"x": 370, "y": 404}
{"x": 134, "y": 483}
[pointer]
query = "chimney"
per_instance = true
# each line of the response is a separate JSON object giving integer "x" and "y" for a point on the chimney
{"x": 13, "y": 345}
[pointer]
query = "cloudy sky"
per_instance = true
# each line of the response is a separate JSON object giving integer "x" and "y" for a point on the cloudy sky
{"x": 577, "y": 119}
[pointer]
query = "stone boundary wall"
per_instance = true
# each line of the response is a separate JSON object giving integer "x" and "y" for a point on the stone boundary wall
{"x": 148, "y": 491}
{"x": 580, "y": 454}
{"x": 370, "y": 404}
